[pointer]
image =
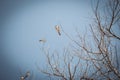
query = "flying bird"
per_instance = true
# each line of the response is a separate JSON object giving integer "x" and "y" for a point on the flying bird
{"x": 26, "y": 76}
{"x": 42, "y": 40}
{"x": 58, "y": 29}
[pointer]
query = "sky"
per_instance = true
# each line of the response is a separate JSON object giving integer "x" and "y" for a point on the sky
{"x": 24, "y": 22}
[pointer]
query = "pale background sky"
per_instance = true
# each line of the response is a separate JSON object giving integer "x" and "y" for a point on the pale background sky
{"x": 24, "y": 23}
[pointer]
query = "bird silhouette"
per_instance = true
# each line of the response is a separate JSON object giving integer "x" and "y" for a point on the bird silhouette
{"x": 58, "y": 29}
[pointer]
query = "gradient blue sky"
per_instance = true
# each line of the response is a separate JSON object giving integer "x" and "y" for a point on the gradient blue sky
{"x": 23, "y": 23}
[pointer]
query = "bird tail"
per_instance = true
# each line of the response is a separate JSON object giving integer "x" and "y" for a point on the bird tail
{"x": 59, "y": 33}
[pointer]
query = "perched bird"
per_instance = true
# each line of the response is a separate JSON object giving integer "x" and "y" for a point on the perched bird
{"x": 58, "y": 29}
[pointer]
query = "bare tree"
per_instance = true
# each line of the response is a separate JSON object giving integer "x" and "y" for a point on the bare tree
{"x": 91, "y": 61}
{"x": 105, "y": 39}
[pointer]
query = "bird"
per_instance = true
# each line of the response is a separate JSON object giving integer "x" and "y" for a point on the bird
{"x": 26, "y": 75}
{"x": 58, "y": 29}
{"x": 42, "y": 40}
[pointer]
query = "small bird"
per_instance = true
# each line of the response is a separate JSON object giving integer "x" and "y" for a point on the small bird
{"x": 58, "y": 29}
{"x": 26, "y": 76}
{"x": 42, "y": 40}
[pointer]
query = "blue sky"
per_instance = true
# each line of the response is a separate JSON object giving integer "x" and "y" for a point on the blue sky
{"x": 24, "y": 23}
